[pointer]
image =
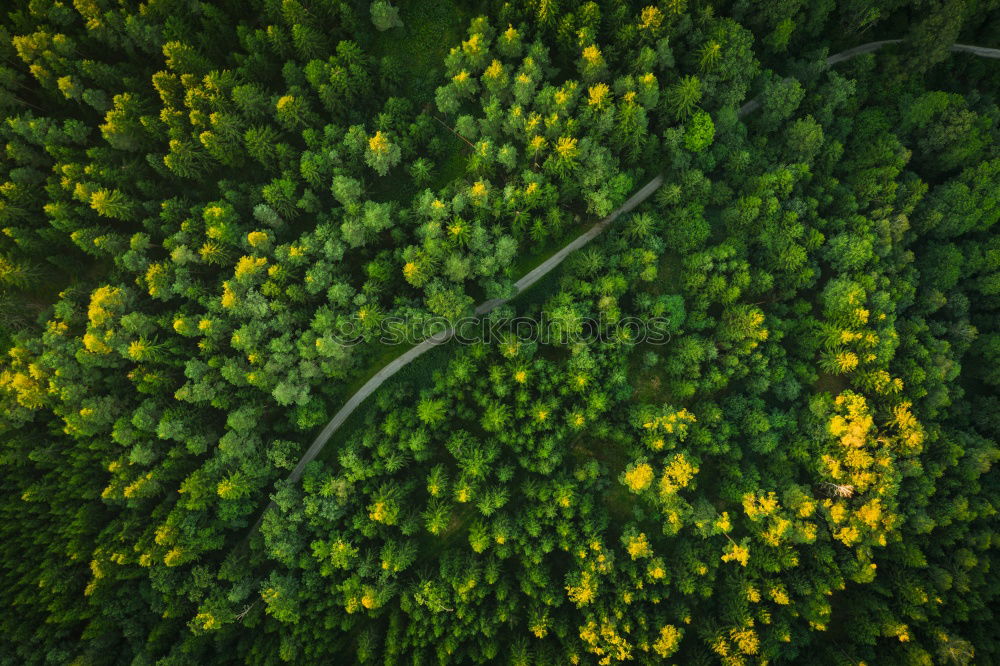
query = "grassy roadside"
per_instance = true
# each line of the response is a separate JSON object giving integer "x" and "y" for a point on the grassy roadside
{"x": 527, "y": 262}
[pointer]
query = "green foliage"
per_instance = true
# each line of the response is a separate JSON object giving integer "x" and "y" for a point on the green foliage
{"x": 385, "y": 16}
{"x": 699, "y": 132}
{"x": 684, "y": 96}
{"x": 761, "y": 426}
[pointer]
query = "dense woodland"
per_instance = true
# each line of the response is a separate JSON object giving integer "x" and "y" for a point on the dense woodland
{"x": 195, "y": 197}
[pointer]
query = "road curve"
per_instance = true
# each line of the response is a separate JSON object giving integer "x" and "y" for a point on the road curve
{"x": 540, "y": 271}
{"x": 981, "y": 51}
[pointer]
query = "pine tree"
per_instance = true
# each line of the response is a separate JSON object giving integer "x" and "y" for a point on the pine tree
{"x": 684, "y": 96}
{"x": 381, "y": 153}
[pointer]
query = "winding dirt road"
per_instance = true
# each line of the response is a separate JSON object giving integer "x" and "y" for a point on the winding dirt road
{"x": 404, "y": 359}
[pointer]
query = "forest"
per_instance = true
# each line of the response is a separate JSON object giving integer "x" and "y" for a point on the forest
{"x": 199, "y": 198}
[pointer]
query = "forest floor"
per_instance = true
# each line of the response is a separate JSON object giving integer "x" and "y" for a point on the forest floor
{"x": 430, "y": 29}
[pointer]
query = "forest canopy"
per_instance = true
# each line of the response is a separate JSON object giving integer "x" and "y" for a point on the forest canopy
{"x": 197, "y": 200}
